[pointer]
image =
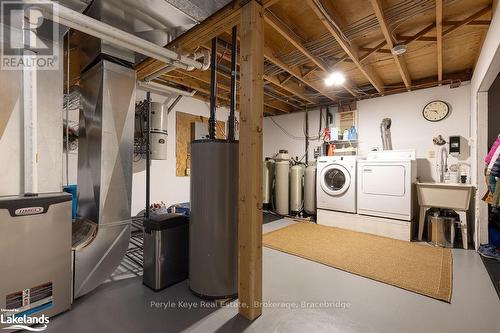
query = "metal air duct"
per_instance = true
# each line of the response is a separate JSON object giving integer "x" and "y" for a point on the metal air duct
{"x": 106, "y": 141}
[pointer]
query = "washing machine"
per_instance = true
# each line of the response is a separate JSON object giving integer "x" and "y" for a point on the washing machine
{"x": 336, "y": 183}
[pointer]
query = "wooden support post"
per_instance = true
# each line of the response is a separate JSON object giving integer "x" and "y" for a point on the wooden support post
{"x": 250, "y": 160}
{"x": 439, "y": 36}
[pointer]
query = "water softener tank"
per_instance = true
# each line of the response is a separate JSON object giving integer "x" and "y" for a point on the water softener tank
{"x": 281, "y": 186}
{"x": 213, "y": 229}
{"x": 158, "y": 138}
{"x": 310, "y": 190}
{"x": 267, "y": 183}
{"x": 296, "y": 179}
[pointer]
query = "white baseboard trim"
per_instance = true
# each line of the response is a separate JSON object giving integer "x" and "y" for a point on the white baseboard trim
{"x": 396, "y": 229}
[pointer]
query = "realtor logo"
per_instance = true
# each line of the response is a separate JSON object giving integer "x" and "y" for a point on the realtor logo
{"x": 28, "y": 38}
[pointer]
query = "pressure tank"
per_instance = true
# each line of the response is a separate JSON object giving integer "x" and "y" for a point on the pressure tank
{"x": 296, "y": 179}
{"x": 213, "y": 226}
{"x": 267, "y": 183}
{"x": 158, "y": 137}
{"x": 310, "y": 190}
{"x": 281, "y": 186}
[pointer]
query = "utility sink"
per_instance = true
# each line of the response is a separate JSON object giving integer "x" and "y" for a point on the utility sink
{"x": 443, "y": 195}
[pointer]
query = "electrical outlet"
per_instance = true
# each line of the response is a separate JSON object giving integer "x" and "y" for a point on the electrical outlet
{"x": 431, "y": 154}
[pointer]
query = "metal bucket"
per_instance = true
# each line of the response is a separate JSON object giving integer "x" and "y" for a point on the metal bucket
{"x": 441, "y": 231}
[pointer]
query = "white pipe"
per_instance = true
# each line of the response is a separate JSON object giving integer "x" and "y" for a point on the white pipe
{"x": 108, "y": 33}
{"x": 205, "y": 54}
{"x": 163, "y": 89}
{"x": 30, "y": 125}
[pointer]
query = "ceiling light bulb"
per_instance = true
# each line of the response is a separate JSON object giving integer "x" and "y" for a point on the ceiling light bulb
{"x": 336, "y": 78}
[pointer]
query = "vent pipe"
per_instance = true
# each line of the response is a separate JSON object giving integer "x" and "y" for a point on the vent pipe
{"x": 234, "y": 51}
{"x": 385, "y": 132}
{"x": 213, "y": 89}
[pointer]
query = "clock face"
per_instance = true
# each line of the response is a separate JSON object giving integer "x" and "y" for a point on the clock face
{"x": 436, "y": 111}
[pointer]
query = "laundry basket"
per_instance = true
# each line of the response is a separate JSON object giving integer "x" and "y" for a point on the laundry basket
{"x": 441, "y": 231}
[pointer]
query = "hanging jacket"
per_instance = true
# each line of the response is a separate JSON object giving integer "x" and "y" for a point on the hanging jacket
{"x": 496, "y": 198}
{"x": 492, "y": 151}
{"x": 494, "y": 158}
{"x": 492, "y": 183}
{"x": 495, "y": 170}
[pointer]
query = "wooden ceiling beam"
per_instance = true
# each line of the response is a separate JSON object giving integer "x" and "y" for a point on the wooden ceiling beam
{"x": 399, "y": 60}
{"x": 472, "y": 23}
{"x": 288, "y": 35}
{"x": 296, "y": 90}
{"x": 269, "y": 55}
{"x": 419, "y": 36}
{"x": 205, "y": 78}
{"x": 269, "y": 3}
{"x": 288, "y": 87}
{"x": 222, "y": 20}
{"x": 350, "y": 49}
{"x": 197, "y": 84}
{"x": 467, "y": 20}
{"x": 439, "y": 36}
{"x": 288, "y": 78}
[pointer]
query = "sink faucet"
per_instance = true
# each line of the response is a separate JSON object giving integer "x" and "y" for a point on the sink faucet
{"x": 442, "y": 166}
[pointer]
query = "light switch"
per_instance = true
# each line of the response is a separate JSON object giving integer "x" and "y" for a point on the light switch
{"x": 432, "y": 154}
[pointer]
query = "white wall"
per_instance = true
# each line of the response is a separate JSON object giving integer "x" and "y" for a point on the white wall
{"x": 165, "y": 185}
{"x": 275, "y": 138}
{"x": 409, "y": 129}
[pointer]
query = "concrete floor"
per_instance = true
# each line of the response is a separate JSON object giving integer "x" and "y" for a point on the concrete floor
{"x": 369, "y": 306}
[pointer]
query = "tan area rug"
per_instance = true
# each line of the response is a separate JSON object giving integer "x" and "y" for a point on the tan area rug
{"x": 422, "y": 269}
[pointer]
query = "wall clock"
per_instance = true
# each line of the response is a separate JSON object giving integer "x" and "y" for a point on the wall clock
{"x": 436, "y": 111}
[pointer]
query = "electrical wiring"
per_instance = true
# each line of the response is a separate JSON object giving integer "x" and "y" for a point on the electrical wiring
{"x": 326, "y": 47}
{"x": 294, "y": 137}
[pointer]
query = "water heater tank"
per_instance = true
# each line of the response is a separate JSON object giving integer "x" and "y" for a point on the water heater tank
{"x": 213, "y": 225}
{"x": 158, "y": 138}
{"x": 310, "y": 190}
{"x": 296, "y": 179}
{"x": 282, "y": 180}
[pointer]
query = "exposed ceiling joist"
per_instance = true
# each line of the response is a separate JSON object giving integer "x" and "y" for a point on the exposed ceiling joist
{"x": 348, "y": 48}
{"x": 204, "y": 77}
{"x": 439, "y": 36}
{"x": 288, "y": 35}
{"x": 284, "y": 31}
{"x": 269, "y": 3}
{"x": 467, "y": 20}
{"x": 223, "y": 94}
{"x": 222, "y": 20}
{"x": 269, "y": 55}
{"x": 419, "y": 36}
{"x": 399, "y": 60}
{"x": 294, "y": 90}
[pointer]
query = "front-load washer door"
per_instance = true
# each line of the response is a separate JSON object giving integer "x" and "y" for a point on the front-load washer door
{"x": 335, "y": 179}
